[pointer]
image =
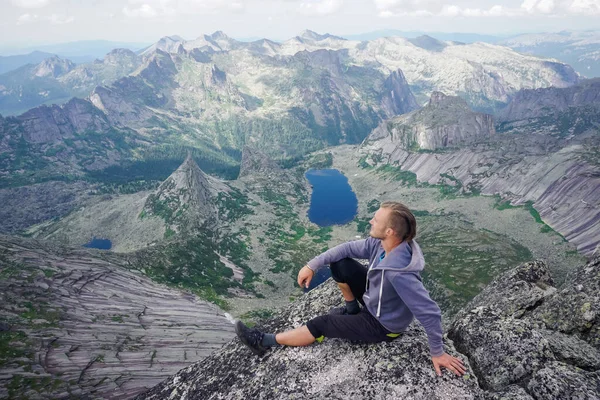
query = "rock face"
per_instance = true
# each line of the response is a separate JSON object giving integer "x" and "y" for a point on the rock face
{"x": 522, "y": 331}
{"x": 559, "y": 176}
{"x": 334, "y": 369}
{"x": 560, "y": 111}
{"x": 28, "y": 205}
{"x": 52, "y": 123}
{"x": 79, "y": 324}
{"x": 256, "y": 162}
{"x": 559, "y": 183}
{"x": 446, "y": 121}
{"x": 397, "y": 97}
{"x": 184, "y": 198}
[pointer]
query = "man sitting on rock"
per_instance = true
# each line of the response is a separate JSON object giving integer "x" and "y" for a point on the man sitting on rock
{"x": 390, "y": 291}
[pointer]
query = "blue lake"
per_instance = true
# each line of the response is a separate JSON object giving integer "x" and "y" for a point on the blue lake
{"x": 332, "y": 203}
{"x": 102, "y": 244}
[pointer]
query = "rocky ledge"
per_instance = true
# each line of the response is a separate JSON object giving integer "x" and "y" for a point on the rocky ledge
{"x": 521, "y": 338}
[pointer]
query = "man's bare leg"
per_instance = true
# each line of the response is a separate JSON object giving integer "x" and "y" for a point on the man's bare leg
{"x": 346, "y": 291}
{"x": 296, "y": 337}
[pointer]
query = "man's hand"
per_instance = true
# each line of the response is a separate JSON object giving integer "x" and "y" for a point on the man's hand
{"x": 447, "y": 361}
{"x": 305, "y": 276}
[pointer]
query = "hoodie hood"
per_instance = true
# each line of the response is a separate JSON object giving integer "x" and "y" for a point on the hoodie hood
{"x": 406, "y": 257}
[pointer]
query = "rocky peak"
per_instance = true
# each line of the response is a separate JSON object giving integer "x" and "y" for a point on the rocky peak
{"x": 255, "y": 161}
{"x": 436, "y": 98}
{"x": 219, "y": 35}
{"x": 119, "y": 57}
{"x": 445, "y": 121}
{"x": 333, "y": 369}
{"x": 53, "y": 67}
{"x": 397, "y": 96}
{"x": 48, "y": 124}
{"x": 167, "y": 43}
{"x": 522, "y": 334}
{"x": 222, "y": 41}
{"x": 322, "y": 58}
{"x": 159, "y": 67}
{"x": 428, "y": 43}
{"x": 314, "y": 36}
{"x": 184, "y": 199}
{"x": 520, "y": 338}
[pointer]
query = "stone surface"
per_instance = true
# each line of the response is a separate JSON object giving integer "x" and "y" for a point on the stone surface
{"x": 575, "y": 309}
{"x": 93, "y": 328}
{"x": 446, "y": 121}
{"x": 509, "y": 337}
{"x": 562, "y": 381}
{"x": 334, "y": 369}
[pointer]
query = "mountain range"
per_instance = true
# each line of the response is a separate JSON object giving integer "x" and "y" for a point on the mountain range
{"x": 189, "y": 157}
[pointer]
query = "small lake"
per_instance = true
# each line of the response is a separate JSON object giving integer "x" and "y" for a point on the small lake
{"x": 332, "y": 203}
{"x": 96, "y": 243}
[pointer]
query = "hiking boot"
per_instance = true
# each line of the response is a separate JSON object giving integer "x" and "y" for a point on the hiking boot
{"x": 251, "y": 338}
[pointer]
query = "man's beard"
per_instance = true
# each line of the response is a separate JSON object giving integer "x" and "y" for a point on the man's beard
{"x": 376, "y": 235}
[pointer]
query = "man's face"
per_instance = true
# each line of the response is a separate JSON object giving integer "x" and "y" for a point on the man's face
{"x": 379, "y": 224}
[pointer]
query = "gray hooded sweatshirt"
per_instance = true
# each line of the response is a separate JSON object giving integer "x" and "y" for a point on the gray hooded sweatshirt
{"x": 395, "y": 293}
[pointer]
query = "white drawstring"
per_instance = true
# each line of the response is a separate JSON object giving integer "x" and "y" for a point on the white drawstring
{"x": 380, "y": 293}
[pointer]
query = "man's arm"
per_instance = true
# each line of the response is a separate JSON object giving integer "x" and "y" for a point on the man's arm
{"x": 426, "y": 311}
{"x": 354, "y": 249}
{"x": 410, "y": 288}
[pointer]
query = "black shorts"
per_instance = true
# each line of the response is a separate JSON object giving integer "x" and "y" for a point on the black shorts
{"x": 363, "y": 326}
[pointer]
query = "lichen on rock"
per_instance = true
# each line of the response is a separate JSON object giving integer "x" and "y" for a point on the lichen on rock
{"x": 334, "y": 369}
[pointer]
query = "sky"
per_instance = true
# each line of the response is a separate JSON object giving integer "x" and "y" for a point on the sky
{"x": 36, "y": 22}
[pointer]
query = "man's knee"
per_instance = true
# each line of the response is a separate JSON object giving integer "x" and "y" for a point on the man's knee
{"x": 339, "y": 270}
{"x": 317, "y": 327}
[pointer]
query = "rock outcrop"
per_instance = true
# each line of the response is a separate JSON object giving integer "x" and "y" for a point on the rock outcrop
{"x": 334, "y": 369}
{"x": 559, "y": 111}
{"x": 446, "y": 121}
{"x": 79, "y": 324}
{"x": 255, "y": 161}
{"x": 46, "y": 124}
{"x": 522, "y": 331}
{"x": 512, "y": 336}
{"x": 397, "y": 98}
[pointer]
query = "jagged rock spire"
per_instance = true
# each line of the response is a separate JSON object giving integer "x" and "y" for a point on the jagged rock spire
{"x": 186, "y": 192}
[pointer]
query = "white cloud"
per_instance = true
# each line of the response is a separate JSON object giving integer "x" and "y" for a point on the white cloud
{"x": 26, "y": 18}
{"x": 30, "y": 3}
{"x": 391, "y": 8}
{"x": 54, "y": 19}
{"x": 170, "y": 8}
{"x": 143, "y": 11}
{"x": 320, "y": 7}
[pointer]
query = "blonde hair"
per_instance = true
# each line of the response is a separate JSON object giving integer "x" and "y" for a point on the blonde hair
{"x": 401, "y": 220}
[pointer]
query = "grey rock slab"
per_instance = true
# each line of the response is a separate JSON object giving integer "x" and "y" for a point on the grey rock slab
{"x": 562, "y": 381}
{"x": 334, "y": 369}
{"x": 98, "y": 328}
